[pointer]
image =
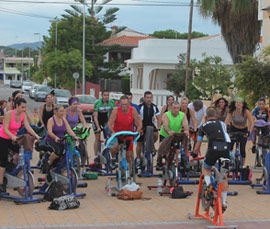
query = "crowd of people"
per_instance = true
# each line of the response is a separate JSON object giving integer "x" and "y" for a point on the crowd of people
{"x": 193, "y": 119}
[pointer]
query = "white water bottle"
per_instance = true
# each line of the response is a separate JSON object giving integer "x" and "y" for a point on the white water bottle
{"x": 21, "y": 156}
{"x": 159, "y": 185}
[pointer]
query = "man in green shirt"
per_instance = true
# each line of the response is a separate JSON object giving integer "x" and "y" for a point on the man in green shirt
{"x": 102, "y": 110}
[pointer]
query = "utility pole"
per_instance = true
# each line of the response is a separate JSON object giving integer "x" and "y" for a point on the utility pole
{"x": 189, "y": 45}
{"x": 29, "y": 72}
{"x": 83, "y": 67}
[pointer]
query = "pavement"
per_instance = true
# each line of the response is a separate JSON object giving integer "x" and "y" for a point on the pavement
{"x": 98, "y": 210}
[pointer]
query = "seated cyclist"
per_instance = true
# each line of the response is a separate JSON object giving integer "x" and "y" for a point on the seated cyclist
{"x": 218, "y": 146}
{"x": 260, "y": 113}
{"x": 57, "y": 128}
{"x": 123, "y": 118}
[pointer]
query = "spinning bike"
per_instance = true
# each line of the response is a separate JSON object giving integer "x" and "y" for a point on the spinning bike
{"x": 122, "y": 173}
{"x": 64, "y": 172}
{"x": 264, "y": 181}
{"x": 214, "y": 200}
{"x": 20, "y": 178}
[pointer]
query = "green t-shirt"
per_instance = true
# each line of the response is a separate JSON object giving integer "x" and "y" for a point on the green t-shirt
{"x": 175, "y": 123}
{"x": 104, "y": 110}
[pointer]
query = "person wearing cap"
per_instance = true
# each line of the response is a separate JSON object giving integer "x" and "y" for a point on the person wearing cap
{"x": 237, "y": 119}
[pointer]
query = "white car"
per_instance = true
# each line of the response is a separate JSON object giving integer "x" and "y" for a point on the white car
{"x": 26, "y": 86}
{"x": 62, "y": 96}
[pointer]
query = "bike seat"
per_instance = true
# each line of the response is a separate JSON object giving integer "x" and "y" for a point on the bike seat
{"x": 224, "y": 160}
{"x": 237, "y": 135}
{"x": 45, "y": 148}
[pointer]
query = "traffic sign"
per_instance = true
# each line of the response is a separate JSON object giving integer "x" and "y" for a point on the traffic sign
{"x": 76, "y": 75}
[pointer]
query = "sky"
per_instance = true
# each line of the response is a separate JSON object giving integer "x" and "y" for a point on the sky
{"x": 146, "y": 19}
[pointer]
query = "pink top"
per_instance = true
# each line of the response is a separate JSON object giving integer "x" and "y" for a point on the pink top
{"x": 13, "y": 126}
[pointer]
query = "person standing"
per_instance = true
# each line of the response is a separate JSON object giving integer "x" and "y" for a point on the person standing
{"x": 46, "y": 111}
{"x": 221, "y": 105}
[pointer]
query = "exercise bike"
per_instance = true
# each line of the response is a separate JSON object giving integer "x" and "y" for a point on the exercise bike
{"x": 214, "y": 200}
{"x": 264, "y": 181}
{"x": 64, "y": 172}
{"x": 236, "y": 161}
{"x": 122, "y": 173}
{"x": 20, "y": 177}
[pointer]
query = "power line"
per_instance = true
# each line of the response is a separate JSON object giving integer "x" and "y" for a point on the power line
{"x": 23, "y": 13}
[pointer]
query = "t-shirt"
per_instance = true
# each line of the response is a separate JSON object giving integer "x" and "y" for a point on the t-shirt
{"x": 175, "y": 123}
{"x": 104, "y": 110}
{"x": 198, "y": 115}
{"x": 264, "y": 115}
{"x": 148, "y": 114}
{"x": 133, "y": 105}
{"x": 214, "y": 130}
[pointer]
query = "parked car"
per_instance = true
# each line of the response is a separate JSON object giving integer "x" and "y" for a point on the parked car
{"x": 41, "y": 93}
{"x": 62, "y": 96}
{"x": 32, "y": 91}
{"x": 15, "y": 84}
{"x": 26, "y": 86}
{"x": 86, "y": 104}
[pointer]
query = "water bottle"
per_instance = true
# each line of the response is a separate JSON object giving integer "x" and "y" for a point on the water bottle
{"x": 108, "y": 187}
{"x": 159, "y": 185}
{"x": 21, "y": 157}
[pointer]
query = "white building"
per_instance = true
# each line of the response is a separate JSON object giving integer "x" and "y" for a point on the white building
{"x": 156, "y": 59}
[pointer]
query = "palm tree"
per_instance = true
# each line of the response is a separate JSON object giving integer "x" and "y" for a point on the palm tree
{"x": 239, "y": 24}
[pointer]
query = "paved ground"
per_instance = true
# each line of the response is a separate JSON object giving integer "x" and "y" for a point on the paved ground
{"x": 247, "y": 210}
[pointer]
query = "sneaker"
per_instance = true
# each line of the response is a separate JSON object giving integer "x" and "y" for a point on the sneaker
{"x": 96, "y": 160}
{"x": 253, "y": 149}
{"x": 138, "y": 164}
{"x": 258, "y": 164}
{"x": 159, "y": 166}
{"x": 208, "y": 192}
{"x": 113, "y": 163}
{"x": 3, "y": 188}
{"x": 224, "y": 207}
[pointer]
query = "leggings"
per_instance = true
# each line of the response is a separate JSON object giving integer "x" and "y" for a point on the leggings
{"x": 242, "y": 140}
{"x": 6, "y": 144}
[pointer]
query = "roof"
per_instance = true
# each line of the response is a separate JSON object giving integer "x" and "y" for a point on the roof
{"x": 125, "y": 40}
{"x": 208, "y": 37}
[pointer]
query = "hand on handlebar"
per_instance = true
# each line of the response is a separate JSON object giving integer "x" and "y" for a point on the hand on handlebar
{"x": 56, "y": 139}
{"x": 14, "y": 138}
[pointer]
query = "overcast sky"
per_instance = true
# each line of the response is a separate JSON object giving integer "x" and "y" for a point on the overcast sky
{"x": 147, "y": 19}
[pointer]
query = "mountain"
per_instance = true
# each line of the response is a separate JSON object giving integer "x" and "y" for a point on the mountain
{"x": 33, "y": 46}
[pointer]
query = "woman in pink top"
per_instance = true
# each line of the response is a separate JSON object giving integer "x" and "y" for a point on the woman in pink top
{"x": 12, "y": 122}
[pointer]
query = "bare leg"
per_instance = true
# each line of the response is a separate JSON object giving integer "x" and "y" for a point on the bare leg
{"x": 96, "y": 143}
{"x": 139, "y": 149}
{"x": 129, "y": 160}
{"x": 2, "y": 173}
{"x": 53, "y": 156}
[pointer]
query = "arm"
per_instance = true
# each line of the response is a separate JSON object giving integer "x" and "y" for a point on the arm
{"x": 49, "y": 128}
{"x": 251, "y": 121}
{"x": 28, "y": 127}
{"x": 7, "y": 119}
{"x": 185, "y": 125}
{"x": 199, "y": 141}
{"x": 165, "y": 120}
{"x": 228, "y": 119}
{"x": 192, "y": 116}
{"x": 137, "y": 119}
{"x": 69, "y": 130}
{"x": 29, "y": 118}
{"x": 161, "y": 115}
{"x": 112, "y": 120}
{"x": 41, "y": 109}
{"x": 82, "y": 119}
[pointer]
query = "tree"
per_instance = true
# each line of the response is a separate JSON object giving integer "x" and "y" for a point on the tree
{"x": 173, "y": 34}
{"x": 211, "y": 77}
{"x": 253, "y": 77}
{"x": 239, "y": 24}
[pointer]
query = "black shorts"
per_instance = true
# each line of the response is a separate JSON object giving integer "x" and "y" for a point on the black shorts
{"x": 141, "y": 139}
{"x": 176, "y": 144}
{"x": 58, "y": 148}
{"x": 212, "y": 156}
{"x": 6, "y": 145}
{"x": 101, "y": 125}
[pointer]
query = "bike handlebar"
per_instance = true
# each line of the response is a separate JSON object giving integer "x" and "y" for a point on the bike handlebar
{"x": 237, "y": 135}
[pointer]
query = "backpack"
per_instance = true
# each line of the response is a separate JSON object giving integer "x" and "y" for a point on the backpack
{"x": 64, "y": 203}
{"x": 178, "y": 193}
{"x": 246, "y": 173}
{"x": 55, "y": 190}
{"x": 129, "y": 195}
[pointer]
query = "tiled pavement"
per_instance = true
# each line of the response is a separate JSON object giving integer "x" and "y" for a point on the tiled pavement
{"x": 248, "y": 210}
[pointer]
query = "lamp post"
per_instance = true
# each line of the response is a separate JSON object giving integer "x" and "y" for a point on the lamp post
{"x": 83, "y": 47}
{"x": 29, "y": 76}
{"x": 38, "y": 48}
{"x": 56, "y": 22}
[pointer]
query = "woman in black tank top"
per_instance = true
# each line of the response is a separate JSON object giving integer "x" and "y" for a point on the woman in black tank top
{"x": 45, "y": 112}
{"x": 189, "y": 112}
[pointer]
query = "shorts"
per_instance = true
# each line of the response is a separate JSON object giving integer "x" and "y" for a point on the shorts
{"x": 102, "y": 125}
{"x": 58, "y": 148}
{"x": 176, "y": 144}
{"x": 129, "y": 142}
{"x": 141, "y": 139}
{"x": 6, "y": 145}
{"x": 212, "y": 156}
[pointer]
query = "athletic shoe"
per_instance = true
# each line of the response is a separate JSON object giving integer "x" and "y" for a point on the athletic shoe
{"x": 96, "y": 160}
{"x": 253, "y": 149}
{"x": 224, "y": 207}
{"x": 159, "y": 166}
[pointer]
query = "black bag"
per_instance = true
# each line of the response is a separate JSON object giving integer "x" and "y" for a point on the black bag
{"x": 55, "y": 190}
{"x": 64, "y": 203}
{"x": 178, "y": 193}
{"x": 246, "y": 173}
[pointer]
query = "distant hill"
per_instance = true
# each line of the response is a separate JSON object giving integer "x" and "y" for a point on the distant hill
{"x": 33, "y": 46}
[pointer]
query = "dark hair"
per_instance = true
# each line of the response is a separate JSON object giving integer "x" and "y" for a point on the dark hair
{"x": 128, "y": 93}
{"x": 261, "y": 99}
{"x": 47, "y": 95}
{"x": 15, "y": 93}
{"x": 211, "y": 112}
{"x": 198, "y": 103}
{"x": 19, "y": 101}
{"x": 123, "y": 97}
{"x": 2, "y": 102}
{"x": 71, "y": 98}
{"x": 169, "y": 96}
{"x": 103, "y": 91}
{"x": 225, "y": 107}
{"x": 147, "y": 93}
{"x": 52, "y": 92}
{"x": 175, "y": 103}
{"x": 232, "y": 107}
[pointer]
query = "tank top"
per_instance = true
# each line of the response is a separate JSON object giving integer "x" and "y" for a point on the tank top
{"x": 187, "y": 114}
{"x": 239, "y": 120}
{"x": 123, "y": 122}
{"x": 13, "y": 126}
{"x": 175, "y": 123}
{"x": 222, "y": 117}
{"x": 72, "y": 120}
{"x": 46, "y": 115}
{"x": 59, "y": 131}
{"x": 167, "y": 106}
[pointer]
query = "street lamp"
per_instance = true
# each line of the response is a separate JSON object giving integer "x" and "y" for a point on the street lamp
{"x": 56, "y": 22}
{"x": 83, "y": 47}
{"x": 38, "y": 49}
